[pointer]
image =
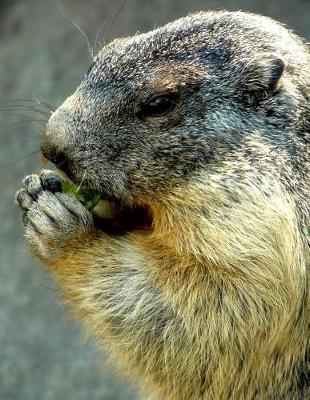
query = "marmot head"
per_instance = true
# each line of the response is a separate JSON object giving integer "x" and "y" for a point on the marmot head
{"x": 156, "y": 108}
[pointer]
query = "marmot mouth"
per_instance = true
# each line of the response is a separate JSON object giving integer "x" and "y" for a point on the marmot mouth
{"x": 110, "y": 214}
{"x": 113, "y": 217}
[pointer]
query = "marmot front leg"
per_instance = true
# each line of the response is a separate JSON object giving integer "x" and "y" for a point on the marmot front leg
{"x": 52, "y": 219}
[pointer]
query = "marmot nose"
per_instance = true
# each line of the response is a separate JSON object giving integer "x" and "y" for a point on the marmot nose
{"x": 55, "y": 155}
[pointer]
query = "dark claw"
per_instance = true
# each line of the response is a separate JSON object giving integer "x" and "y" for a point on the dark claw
{"x": 50, "y": 182}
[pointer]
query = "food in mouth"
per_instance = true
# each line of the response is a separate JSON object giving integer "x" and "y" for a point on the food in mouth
{"x": 87, "y": 198}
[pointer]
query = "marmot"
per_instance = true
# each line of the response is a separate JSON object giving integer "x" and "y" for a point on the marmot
{"x": 197, "y": 133}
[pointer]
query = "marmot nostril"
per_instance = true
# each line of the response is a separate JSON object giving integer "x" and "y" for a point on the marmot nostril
{"x": 55, "y": 155}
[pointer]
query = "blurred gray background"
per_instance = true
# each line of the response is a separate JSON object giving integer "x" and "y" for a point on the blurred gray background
{"x": 43, "y": 355}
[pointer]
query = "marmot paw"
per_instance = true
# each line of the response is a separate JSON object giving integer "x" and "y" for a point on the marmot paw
{"x": 50, "y": 217}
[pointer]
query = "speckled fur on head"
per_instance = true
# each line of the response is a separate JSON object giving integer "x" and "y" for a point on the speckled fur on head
{"x": 226, "y": 68}
{"x": 212, "y": 302}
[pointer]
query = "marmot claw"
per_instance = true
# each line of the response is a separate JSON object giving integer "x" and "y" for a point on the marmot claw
{"x": 50, "y": 217}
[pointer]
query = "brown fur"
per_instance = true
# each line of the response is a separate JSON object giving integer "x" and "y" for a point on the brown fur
{"x": 251, "y": 307}
{"x": 211, "y": 302}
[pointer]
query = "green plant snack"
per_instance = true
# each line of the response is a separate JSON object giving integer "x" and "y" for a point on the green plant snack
{"x": 87, "y": 198}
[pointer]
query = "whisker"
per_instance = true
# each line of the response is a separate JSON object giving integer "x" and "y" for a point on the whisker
{"x": 16, "y": 114}
{"x": 36, "y": 101}
{"x": 26, "y": 108}
{"x": 43, "y": 103}
{"x": 97, "y": 37}
{"x": 81, "y": 183}
{"x": 61, "y": 163}
{"x": 90, "y": 49}
{"x": 26, "y": 156}
{"x": 42, "y": 122}
{"x": 18, "y": 101}
{"x": 114, "y": 19}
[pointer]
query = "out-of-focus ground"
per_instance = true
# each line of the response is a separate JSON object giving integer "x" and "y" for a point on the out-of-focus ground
{"x": 43, "y": 55}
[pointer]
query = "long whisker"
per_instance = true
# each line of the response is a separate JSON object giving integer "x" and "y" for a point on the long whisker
{"x": 81, "y": 183}
{"x": 90, "y": 49}
{"x": 16, "y": 114}
{"x": 41, "y": 122}
{"x": 26, "y": 156}
{"x": 24, "y": 108}
{"x": 114, "y": 19}
{"x": 36, "y": 101}
{"x": 61, "y": 163}
{"x": 97, "y": 37}
{"x": 43, "y": 103}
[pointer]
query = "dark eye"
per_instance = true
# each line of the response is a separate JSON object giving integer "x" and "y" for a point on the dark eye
{"x": 160, "y": 105}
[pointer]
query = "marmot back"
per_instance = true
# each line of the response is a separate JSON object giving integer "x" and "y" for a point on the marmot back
{"x": 197, "y": 136}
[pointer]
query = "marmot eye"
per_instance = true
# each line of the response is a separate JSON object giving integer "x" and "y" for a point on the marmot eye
{"x": 159, "y": 105}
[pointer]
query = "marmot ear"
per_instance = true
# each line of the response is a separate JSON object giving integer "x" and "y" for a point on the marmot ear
{"x": 263, "y": 74}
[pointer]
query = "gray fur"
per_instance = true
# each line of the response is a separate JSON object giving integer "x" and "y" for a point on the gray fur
{"x": 228, "y": 168}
